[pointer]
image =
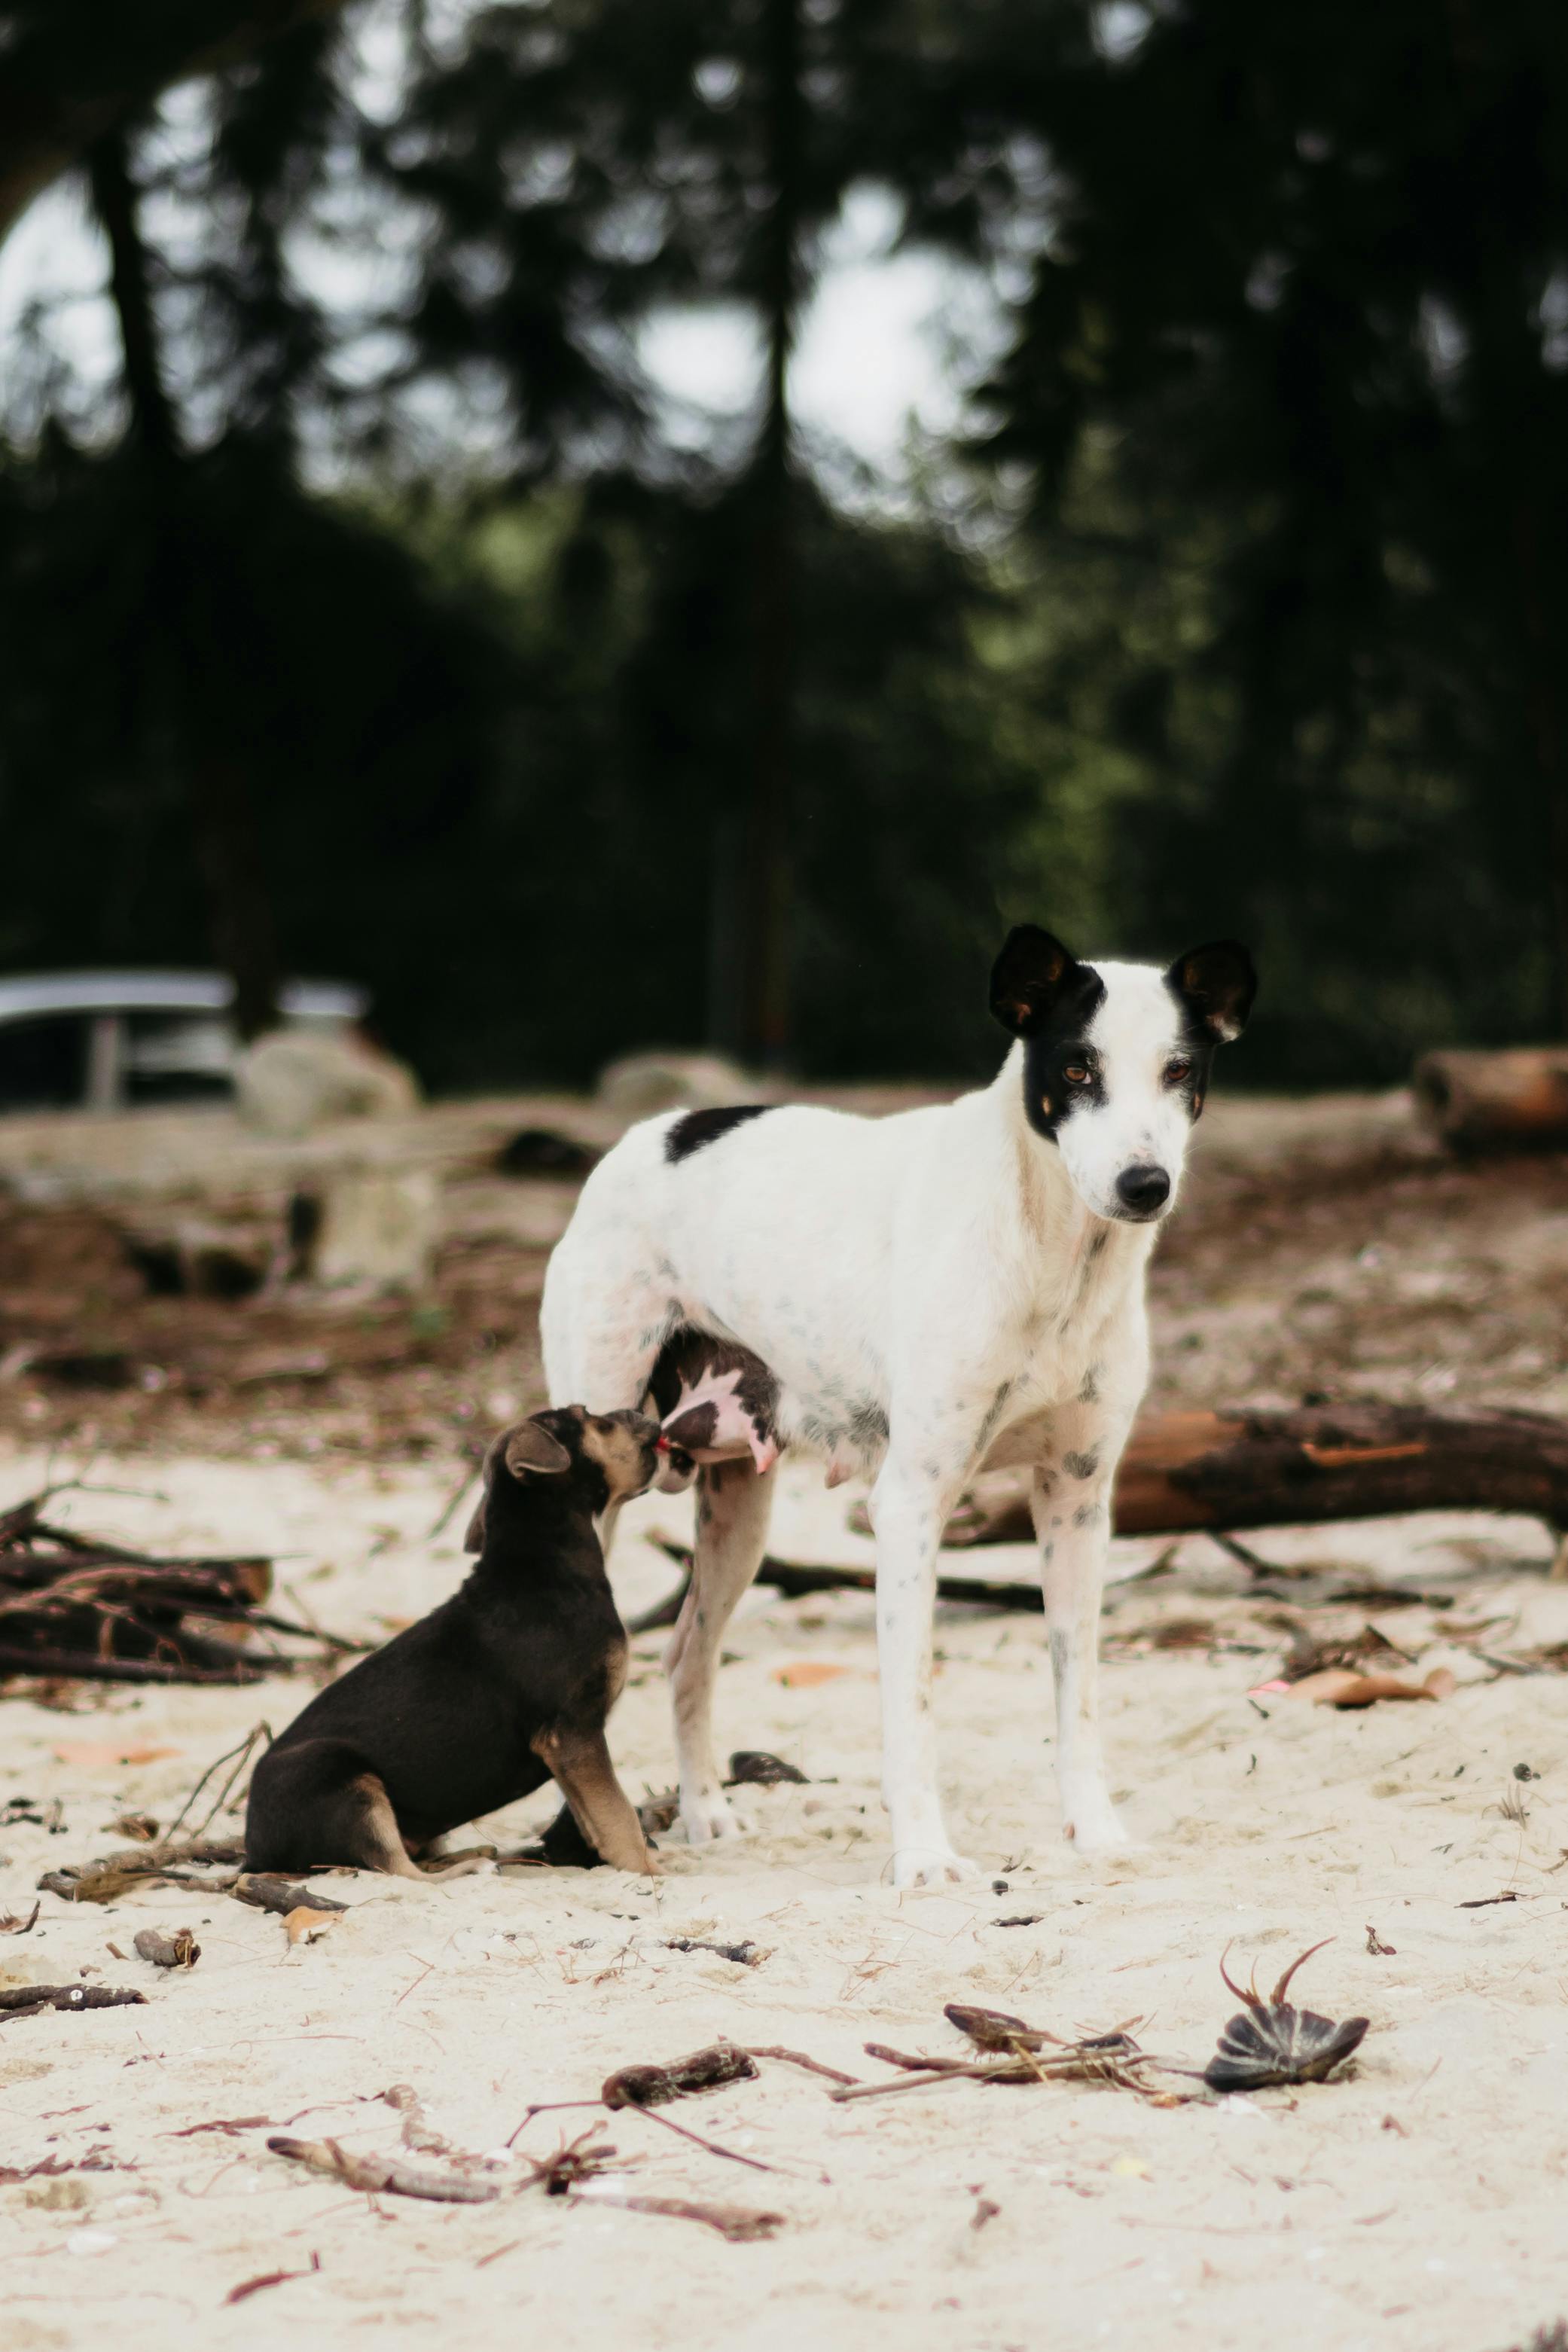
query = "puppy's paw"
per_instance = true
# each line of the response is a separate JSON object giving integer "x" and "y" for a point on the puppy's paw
{"x": 708, "y": 1816}
{"x": 931, "y": 1865}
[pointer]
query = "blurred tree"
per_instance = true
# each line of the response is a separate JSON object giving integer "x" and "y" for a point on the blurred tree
{"x": 695, "y": 151}
{"x": 73, "y": 72}
{"x": 1278, "y": 645}
{"x": 1294, "y": 332}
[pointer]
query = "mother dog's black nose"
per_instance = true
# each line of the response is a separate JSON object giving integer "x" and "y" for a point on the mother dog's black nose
{"x": 1144, "y": 1190}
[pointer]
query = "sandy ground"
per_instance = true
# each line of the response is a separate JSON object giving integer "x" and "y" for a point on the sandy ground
{"x": 1415, "y": 2206}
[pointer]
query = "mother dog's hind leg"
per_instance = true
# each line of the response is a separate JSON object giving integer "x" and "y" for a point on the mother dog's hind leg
{"x": 734, "y": 1503}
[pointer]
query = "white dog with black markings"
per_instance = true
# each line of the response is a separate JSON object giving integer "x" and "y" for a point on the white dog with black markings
{"x": 920, "y": 1296}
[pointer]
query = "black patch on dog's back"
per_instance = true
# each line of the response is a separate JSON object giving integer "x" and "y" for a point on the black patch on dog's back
{"x": 695, "y": 1127}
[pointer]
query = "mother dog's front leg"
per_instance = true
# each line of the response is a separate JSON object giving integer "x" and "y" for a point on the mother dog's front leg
{"x": 909, "y": 1509}
{"x": 1071, "y": 1506}
{"x": 733, "y": 1505}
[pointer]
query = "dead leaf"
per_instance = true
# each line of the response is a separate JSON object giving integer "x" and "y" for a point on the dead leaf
{"x": 91, "y": 1755}
{"x": 805, "y": 1673}
{"x": 304, "y": 1925}
{"x": 1342, "y": 1686}
{"x": 13, "y": 1924}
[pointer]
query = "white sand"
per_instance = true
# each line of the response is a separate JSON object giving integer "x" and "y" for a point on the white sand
{"x": 1416, "y": 2206}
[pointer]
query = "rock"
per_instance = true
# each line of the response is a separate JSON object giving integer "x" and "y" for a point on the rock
{"x": 292, "y": 1080}
{"x": 375, "y": 1225}
{"x": 641, "y": 1084}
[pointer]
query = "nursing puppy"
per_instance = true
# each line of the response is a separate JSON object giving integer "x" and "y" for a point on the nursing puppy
{"x": 503, "y": 1688}
{"x": 926, "y": 1295}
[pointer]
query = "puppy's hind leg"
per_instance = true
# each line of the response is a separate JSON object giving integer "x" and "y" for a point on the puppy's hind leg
{"x": 370, "y": 1837}
{"x": 734, "y": 1503}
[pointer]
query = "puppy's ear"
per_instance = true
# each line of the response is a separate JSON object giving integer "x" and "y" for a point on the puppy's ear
{"x": 474, "y": 1540}
{"x": 1030, "y": 976}
{"x": 533, "y": 1448}
{"x": 1217, "y": 984}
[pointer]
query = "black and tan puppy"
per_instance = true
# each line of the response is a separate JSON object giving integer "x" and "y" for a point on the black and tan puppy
{"x": 503, "y": 1688}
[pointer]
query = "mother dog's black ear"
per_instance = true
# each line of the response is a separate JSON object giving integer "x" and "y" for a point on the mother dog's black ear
{"x": 1216, "y": 985}
{"x": 1030, "y": 976}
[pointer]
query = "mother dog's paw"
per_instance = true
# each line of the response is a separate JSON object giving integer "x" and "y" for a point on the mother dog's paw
{"x": 1091, "y": 1833}
{"x": 708, "y": 1816}
{"x": 931, "y": 1865}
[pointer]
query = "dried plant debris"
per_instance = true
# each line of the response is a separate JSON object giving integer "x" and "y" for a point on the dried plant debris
{"x": 1268, "y": 2042}
{"x": 745, "y": 1956}
{"x": 248, "y": 2287}
{"x": 798, "y": 2058}
{"x": 383, "y": 2173}
{"x": 140, "y": 1827}
{"x": 13, "y": 1924}
{"x": 1312, "y": 1652}
{"x": 736, "y": 2223}
{"x": 1546, "y": 2339}
{"x": 31, "y": 2001}
{"x": 573, "y": 2162}
{"x": 306, "y": 1924}
{"x": 1342, "y": 1687}
{"x": 754, "y": 1766}
{"x": 205, "y": 1865}
{"x": 83, "y": 1606}
{"x": 265, "y": 1892}
{"x": 655, "y": 2086}
{"x": 1015, "y": 2052}
{"x": 179, "y": 1950}
{"x": 167, "y": 1859}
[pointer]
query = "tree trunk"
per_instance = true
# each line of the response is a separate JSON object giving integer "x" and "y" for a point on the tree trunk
{"x": 84, "y": 68}
{"x": 223, "y": 814}
{"x": 1242, "y": 1469}
{"x": 753, "y": 1019}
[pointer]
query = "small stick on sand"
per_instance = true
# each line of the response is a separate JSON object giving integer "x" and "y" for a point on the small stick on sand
{"x": 798, "y": 2058}
{"x": 736, "y": 2223}
{"x": 379, "y": 2173}
{"x": 711, "y": 2145}
{"x": 266, "y": 1892}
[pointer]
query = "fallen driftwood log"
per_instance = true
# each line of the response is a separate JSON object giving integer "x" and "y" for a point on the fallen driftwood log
{"x": 793, "y": 1578}
{"x": 1238, "y": 1468}
{"x": 80, "y": 1605}
{"x": 1182, "y": 1472}
{"x": 1511, "y": 1101}
{"x": 30, "y": 2000}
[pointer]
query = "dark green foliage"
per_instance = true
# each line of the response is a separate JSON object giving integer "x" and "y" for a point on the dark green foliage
{"x": 1294, "y": 352}
{"x": 1273, "y": 643}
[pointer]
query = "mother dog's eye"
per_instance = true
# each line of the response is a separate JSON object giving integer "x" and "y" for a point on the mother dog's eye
{"x": 1177, "y": 1070}
{"x": 1075, "y": 1075}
